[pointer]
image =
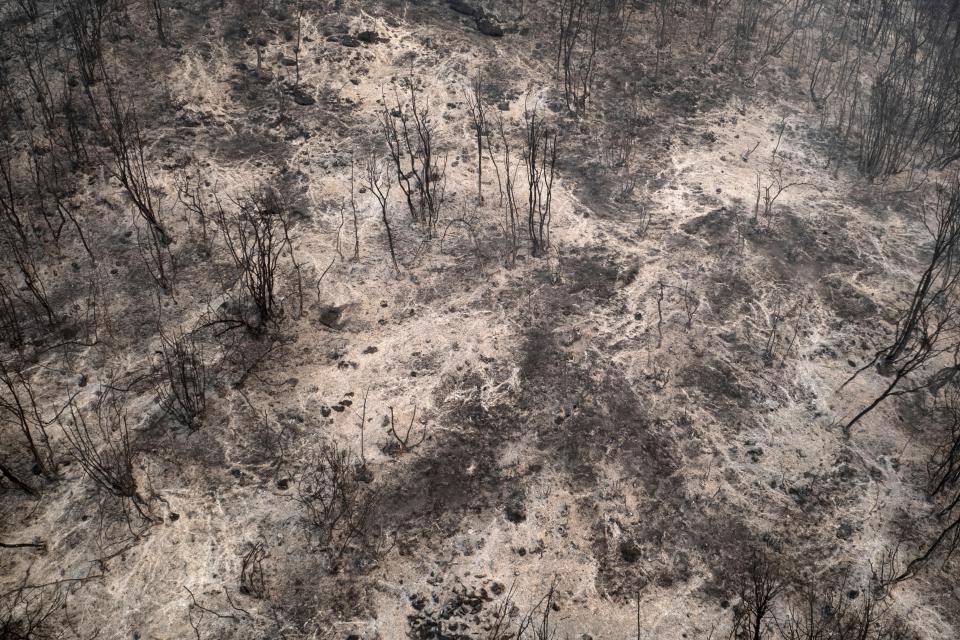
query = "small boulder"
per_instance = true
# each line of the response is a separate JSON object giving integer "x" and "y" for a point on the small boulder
{"x": 489, "y": 26}
{"x": 515, "y": 511}
{"x": 461, "y": 6}
{"x": 349, "y": 41}
{"x": 301, "y": 97}
{"x": 333, "y": 316}
{"x": 629, "y": 550}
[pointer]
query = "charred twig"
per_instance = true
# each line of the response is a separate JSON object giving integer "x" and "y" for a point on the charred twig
{"x": 252, "y": 581}
{"x": 404, "y": 441}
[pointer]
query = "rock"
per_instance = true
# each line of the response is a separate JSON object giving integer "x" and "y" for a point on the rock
{"x": 489, "y": 27}
{"x": 629, "y": 550}
{"x": 333, "y": 316}
{"x": 345, "y": 39}
{"x": 515, "y": 511}
{"x": 302, "y": 98}
{"x": 460, "y": 6}
{"x": 368, "y": 37}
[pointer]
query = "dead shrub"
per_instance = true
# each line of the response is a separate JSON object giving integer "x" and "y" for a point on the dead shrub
{"x": 336, "y": 499}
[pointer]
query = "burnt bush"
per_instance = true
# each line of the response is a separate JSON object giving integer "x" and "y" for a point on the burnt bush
{"x": 99, "y": 440}
{"x": 183, "y": 375}
{"x": 256, "y": 232}
{"x": 336, "y": 498}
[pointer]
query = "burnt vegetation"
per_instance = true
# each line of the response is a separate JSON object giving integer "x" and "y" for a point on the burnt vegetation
{"x": 190, "y": 302}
